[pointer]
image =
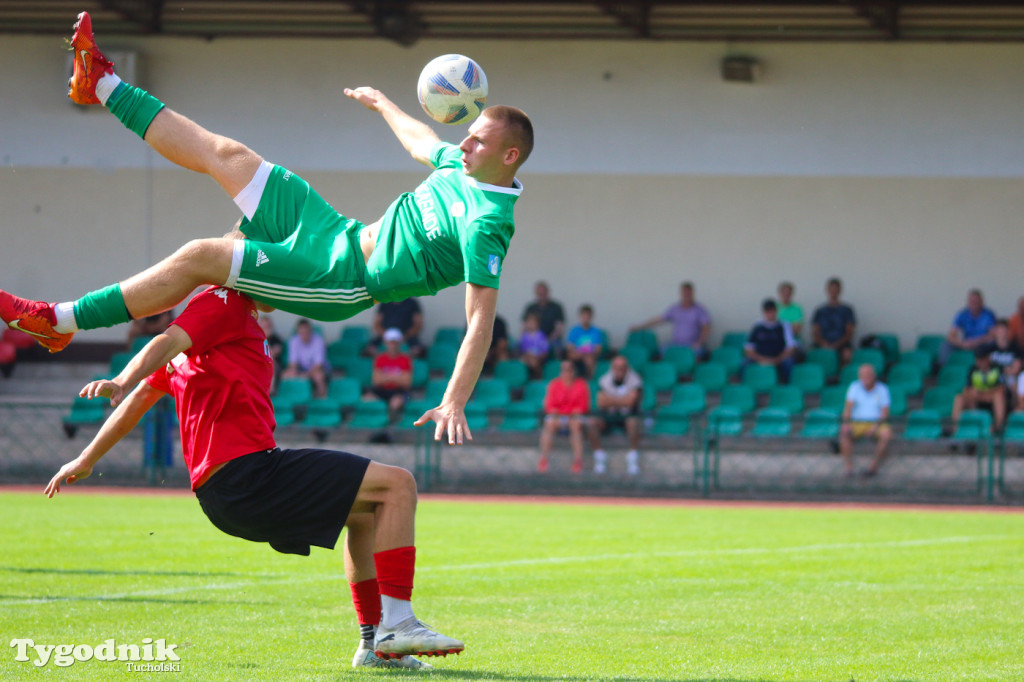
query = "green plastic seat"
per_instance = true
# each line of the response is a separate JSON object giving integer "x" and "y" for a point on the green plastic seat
{"x": 284, "y": 412}
{"x": 1013, "y": 431}
{"x": 520, "y": 417}
{"x": 939, "y": 400}
{"x": 731, "y": 357}
{"x": 369, "y": 414}
{"x": 734, "y": 339}
{"x": 897, "y": 401}
{"x": 645, "y": 338}
{"x": 637, "y": 355}
{"x": 552, "y": 368}
{"x": 691, "y": 398}
{"x": 923, "y": 425}
{"x": 890, "y": 346}
{"x": 809, "y": 377}
{"x": 341, "y": 350}
{"x": 960, "y": 358}
{"x": 420, "y": 373}
{"x": 682, "y": 358}
{"x": 930, "y": 344}
{"x": 359, "y": 368}
{"x": 118, "y": 361}
{"x": 725, "y": 421}
{"x": 322, "y": 413}
{"x": 740, "y": 397}
{"x": 713, "y": 376}
{"x": 84, "y": 411}
{"x": 871, "y": 356}
{"x": 512, "y": 372}
{"x": 848, "y": 375}
{"x": 920, "y": 358}
{"x": 827, "y": 358}
{"x": 441, "y": 358}
{"x": 492, "y": 393}
{"x": 833, "y": 398}
{"x": 771, "y": 422}
{"x": 345, "y": 390}
{"x": 820, "y": 423}
{"x": 760, "y": 378}
{"x": 906, "y": 376}
{"x": 953, "y": 377}
{"x": 672, "y": 420}
{"x": 659, "y": 376}
{"x": 974, "y": 425}
{"x": 293, "y": 392}
{"x": 788, "y": 398}
{"x": 449, "y": 335}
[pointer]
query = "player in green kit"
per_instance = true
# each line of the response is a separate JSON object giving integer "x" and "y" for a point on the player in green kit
{"x": 301, "y": 255}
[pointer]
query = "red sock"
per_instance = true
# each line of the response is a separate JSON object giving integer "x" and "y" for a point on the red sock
{"x": 395, "y": 568}
{"x": 366, "y": 600}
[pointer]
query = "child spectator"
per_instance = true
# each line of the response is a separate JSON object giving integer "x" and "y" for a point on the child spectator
{"x": 533, "y": 345}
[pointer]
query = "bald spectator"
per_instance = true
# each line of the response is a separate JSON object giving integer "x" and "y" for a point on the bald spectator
{"x": 865, "y": 415}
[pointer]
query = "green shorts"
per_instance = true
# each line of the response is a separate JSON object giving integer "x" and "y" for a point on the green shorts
{"x": 300, "y": 256}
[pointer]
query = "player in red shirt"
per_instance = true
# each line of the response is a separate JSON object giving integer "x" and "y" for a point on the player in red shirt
{"x": 214, "y": 360}
{"x": 566, "y": 404}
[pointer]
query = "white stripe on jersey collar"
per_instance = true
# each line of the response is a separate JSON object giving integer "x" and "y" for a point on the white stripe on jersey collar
{"x": 516, "y": 188}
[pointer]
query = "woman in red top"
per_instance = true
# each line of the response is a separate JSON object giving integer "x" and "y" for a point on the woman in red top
{"x": 566, "y": 405}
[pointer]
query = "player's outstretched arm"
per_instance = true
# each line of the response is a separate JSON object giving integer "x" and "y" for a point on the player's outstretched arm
{"x": 450, "y": 415}
{"x": 117, "y": 426}
{"x": 154, "y": 355}
{"x": 417, "y": 137}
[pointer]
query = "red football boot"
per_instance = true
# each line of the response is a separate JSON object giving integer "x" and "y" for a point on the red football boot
{"x": 35, "y": 318}
{"x": 90, "y": 64}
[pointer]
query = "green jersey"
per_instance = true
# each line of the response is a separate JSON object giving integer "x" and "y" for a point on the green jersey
{"x": 451, "y": 229}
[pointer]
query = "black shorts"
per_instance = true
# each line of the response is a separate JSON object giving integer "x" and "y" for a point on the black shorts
{"x": 290, "y": 499}
{"x": 614, "y": 421}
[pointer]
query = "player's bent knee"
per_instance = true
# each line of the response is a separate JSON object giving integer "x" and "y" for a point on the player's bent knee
{"x": 206, "y": 260}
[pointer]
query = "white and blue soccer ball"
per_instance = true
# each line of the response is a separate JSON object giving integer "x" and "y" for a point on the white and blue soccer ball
{"x": 452, "y": 89}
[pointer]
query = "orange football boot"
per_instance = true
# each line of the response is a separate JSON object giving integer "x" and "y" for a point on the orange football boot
{"x": 35, "y": 318}
{"x": 90, "y": 64}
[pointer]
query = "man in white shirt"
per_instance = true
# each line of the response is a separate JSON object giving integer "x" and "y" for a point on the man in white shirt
{"x": 864, "y": 416}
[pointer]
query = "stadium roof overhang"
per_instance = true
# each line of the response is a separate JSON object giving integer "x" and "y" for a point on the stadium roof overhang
{"x": 406, "y": 21}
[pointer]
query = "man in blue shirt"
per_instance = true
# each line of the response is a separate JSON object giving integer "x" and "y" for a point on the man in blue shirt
{"x": 972, "y": 326}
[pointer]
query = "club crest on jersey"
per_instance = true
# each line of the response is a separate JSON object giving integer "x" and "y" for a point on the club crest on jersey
{"x": 493, "y": 264}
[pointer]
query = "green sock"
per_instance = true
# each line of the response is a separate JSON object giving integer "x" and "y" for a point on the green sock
{"x": 101, "y": 308}
{"x": 134, "y": 107}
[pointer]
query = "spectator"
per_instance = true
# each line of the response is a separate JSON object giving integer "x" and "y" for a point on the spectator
{"x": 1017, "y": 324}
{"x": 771, "y": 342}
{"x": 691, "y": 323}
{"x": 789, "y": 310}
{"x": 985, "y": 389}
{"x": 972, "y": 326}
{"x": 392, "y": 373}
{"x": 275, "y": 346}
{"x": 533, "y": 346}
{"x": 1005, "y": 354}
{"x": 864, "y": 416}
{"x": 405, "y": 316}
{"x": 566, "y": 404}
{"x": 618, "y": 405}
{"x": 586, "y": 343}
{"x": 307, "y": 357}
{"x": 500, "y": 347}
{"x": 148, "y": 327}
{"x": 834, "y": 323}
{"x": 550, "y": 315}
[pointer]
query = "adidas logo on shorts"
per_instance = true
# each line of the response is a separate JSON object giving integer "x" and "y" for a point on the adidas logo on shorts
{"x": 261, "y": 258}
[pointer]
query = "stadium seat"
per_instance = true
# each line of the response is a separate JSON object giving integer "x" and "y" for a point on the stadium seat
{"x": 441, "y": 358}
{"x": 923, "y": 425}
{"x": 449, "y": 335}
{"x": 771, "y": 422}
{"x": 725, "y": 421}
{"x": 713, "y": 376}
{"x": 848, "y": 374}
{"x": 820, "y": 423}
{"x": 494, "y": 394}
{"x": 84, "y": 411}
{"x": 906, "y": 376}
{"x": 359, "y": 368}
{"x": 1013, "y": 431}
{"x": 734, "y": 339}
{"x": 293, "y": 392}
{"x": 322, "y": 414}
{"x": 939, "y": 400}
{"x": 552, "y": 368}
{"x": 369, "y": 414}
{"x": 827, "y": 358}
{"x": 760, "y": 378}
{"x": 119, "y": 361}
{"x": 638, "y": 356}
{"x": 729, "y": 357}
{"x": 890, "y": 346}
{"x": 341, "y": 350}
{"x": 534, "y": 392}
{"x": 960, "y": 358}
{"x": 659, "y": 376}
{"x": 871, "y": 356}
{"x": 345, "y": 390}
{"x": 420, "y": 373}
{"x": 788, "y": 398}
{"x": 520, "y": 417}
{"x": 930, "y": 344}
{"x": 974, "y": 425}
{"x": 358, "y": 335}
{"x": 833, "y": 398}
{"x": 739, "y": 397}
{"x": 809, "y": 377}
{"x": 953, "y": 377}
{"x": 672, "y": 420}
{"x": 645, "y": 338}
{"x": 284, "y": 412}
{"x": 920, "y": 358}
{"x": 477, "y": 415}
{"x": 897, "y": 401}
{"x": 682, "y": 357}
{"x": 689, "y": 397}
{"x": 513, "y": 372}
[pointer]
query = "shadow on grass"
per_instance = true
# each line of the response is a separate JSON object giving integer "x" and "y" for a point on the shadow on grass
{"x": 99, "y": 571}
{"x": 26, "y": 599}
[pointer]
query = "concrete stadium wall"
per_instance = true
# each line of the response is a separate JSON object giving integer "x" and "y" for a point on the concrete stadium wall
{"x": 895, "y": 167}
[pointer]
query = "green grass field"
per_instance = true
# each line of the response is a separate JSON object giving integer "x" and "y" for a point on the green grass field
{"x": 537, "y": 591}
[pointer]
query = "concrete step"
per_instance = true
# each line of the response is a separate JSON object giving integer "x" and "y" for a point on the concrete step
{"x": 49, "y": 380}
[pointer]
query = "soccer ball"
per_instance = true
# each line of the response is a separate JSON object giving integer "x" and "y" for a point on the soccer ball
{"x": 452, "y": 89}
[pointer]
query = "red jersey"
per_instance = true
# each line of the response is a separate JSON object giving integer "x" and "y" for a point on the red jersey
{"x": 221, "y": 385}
{"x": 571, "y": 399}
{"x": 392, "y": 365}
